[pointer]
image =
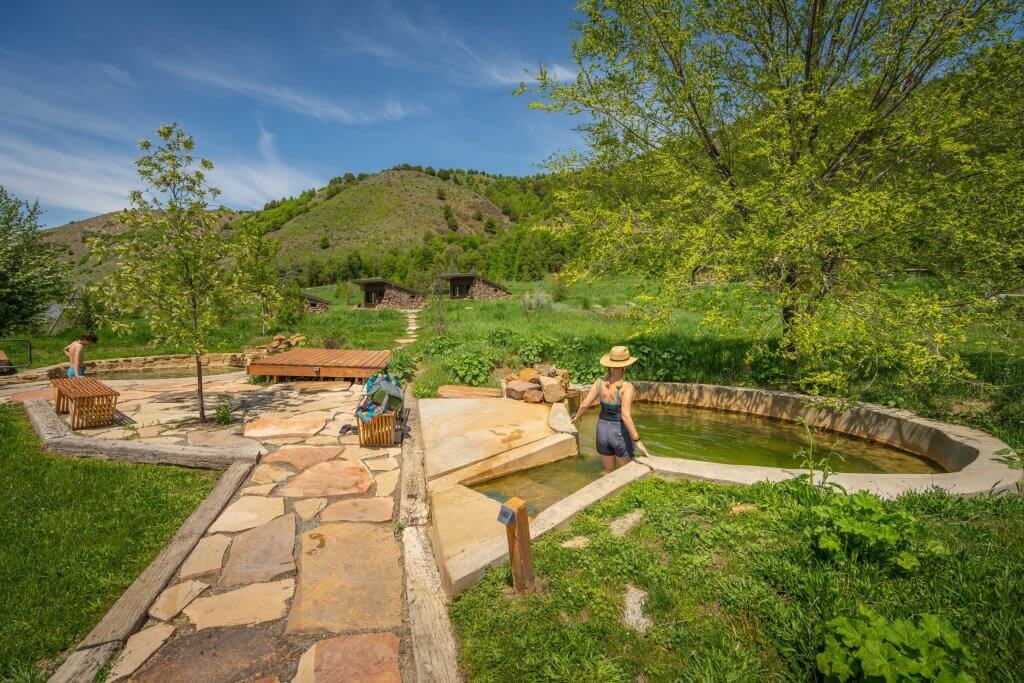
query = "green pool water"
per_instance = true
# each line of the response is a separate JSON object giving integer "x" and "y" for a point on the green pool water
{"x": 699, "y": 434}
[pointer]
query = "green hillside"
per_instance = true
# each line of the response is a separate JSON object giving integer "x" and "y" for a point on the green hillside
{"x": 395, "y": 208}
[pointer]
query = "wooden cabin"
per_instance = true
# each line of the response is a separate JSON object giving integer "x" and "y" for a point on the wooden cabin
{"x": 315, "y": 304}
{"x": 381, "y": 293}
{"x": 472, "y": 286}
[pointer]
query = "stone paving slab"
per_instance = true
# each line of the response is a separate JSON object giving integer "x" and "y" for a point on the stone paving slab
{"x": 350, "y": 579}
{"x": 206, "y": 557}
{"x": 364, "y": 657}
{"x": 253, "y": 604}
{"x": 248, "y": 512}
{"x": 139, "y": 647}
{"x": 334, "y": 478}
{"x": 262, "y": 553}
{"x": 301, "y": 456}
{"x": 175, "y": 599}
{"x": 308, "y": 508}
{"x": 216, "y": 655}
{"x": 360, "y": 510}
{"x": 286, "y": 424}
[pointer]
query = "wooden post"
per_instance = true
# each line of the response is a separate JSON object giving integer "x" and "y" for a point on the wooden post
{"x": 520, "y": 551}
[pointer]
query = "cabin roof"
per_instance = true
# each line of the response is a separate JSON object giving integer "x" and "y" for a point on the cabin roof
{"x": 476, "y": 276}
{"x": 387, "y": 283}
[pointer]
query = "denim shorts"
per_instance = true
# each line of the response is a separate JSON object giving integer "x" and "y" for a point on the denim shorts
{"x": 611, "y": 439}
{"x": 71, "y": 372}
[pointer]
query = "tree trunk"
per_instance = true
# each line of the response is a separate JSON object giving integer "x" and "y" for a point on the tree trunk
{"x": 789, "y": 313}
{"x": 199, "y": 389}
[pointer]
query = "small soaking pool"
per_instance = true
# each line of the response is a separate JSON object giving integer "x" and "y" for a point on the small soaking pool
{"x": 161, "y": 373}
{"x": 676, "y": 431}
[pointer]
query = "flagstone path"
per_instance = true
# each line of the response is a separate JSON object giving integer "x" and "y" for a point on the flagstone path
{"x": 411, "y": 326}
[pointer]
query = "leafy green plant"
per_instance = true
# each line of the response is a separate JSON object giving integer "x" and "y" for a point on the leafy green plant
{"x": 861, "y": 527}
{"x": 223, "y": 414}
{"x": 472, "y": 367}
{"x": 870, "y": 647}
{"x": 402, "y": 364}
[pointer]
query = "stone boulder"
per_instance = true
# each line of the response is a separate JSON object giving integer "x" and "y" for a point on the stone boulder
{"x": 534, "y": 396}
{"x": 517, "y": 389}
{"x": 545, "y": 369}
{"x": 552, "y": 389}
{"x": 528, "y": 374}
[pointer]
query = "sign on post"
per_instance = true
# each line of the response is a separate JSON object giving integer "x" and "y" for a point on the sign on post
{"x": 520, "y": 553}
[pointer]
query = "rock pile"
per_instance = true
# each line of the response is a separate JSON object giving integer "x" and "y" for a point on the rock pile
{"x": 542, "y": 383}
{"x": 279, "y": 344}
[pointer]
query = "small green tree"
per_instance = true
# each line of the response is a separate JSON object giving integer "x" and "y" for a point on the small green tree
{"x": 490, "y": 225}
{"x": 440, "y": 193}
{"x": 255, "y": 272}
{"x": 172, "y": 262}
{"x": 449, "y": 218}
{"x": 33, "y": 273}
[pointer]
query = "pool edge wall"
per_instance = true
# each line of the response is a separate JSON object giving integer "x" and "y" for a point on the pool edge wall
{"x": 967, "y": 454}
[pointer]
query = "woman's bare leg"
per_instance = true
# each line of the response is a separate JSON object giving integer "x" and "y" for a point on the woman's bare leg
{"x": 608, "y": 463}
{"x": 621, "y": 462}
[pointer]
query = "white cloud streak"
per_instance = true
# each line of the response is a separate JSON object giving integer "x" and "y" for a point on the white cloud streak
{"x": 287, "y": 98}
{"x": 429, "y": 44}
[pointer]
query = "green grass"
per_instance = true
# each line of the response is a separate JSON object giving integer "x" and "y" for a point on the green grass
{"x": 739, "y": 597}
{"x": 349, "y": 327}
{"x": 76, "y": 533}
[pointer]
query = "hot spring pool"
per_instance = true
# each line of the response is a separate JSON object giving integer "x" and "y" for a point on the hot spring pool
{"x": 700, "y": 434}
{"x": 161, "y": 373}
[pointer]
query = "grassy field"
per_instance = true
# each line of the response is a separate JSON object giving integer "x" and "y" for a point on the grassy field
{"x": 350, "y": 328}
{"x": 75, "y": 533}
{"x": 742, "y": 596}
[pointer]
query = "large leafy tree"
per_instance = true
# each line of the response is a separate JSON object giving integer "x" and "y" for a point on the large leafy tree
{"x": 33, "y": 273}
{"x": 256, "y": 270}
{"x": 812, "y": 149}
{"x": 172, "y": 261}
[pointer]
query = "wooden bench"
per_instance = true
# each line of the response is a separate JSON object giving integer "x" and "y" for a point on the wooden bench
{"x": 90, "y": 402}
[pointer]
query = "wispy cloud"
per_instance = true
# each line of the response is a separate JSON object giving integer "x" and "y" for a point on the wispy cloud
{"x": 91, "y": 179}
{"x": 117, "y": 74}
{"x": 399, "y": 40}
{"x": 288, "y": 98}
{"x": 21, "y": 109}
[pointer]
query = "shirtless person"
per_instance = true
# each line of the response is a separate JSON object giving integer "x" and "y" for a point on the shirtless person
{"x": 75, "y": 351}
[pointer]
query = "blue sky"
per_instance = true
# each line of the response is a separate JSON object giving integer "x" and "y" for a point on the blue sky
{"x": 280, "y": 96}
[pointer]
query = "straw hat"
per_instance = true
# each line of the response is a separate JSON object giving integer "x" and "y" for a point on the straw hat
{"x": 618, "y": 357}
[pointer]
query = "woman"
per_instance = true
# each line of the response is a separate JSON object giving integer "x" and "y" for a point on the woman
{"x": 616, "y": 432}
{"x": 75, "y": 351}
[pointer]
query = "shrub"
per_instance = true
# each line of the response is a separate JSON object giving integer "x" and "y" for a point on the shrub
{"x": 536, "y": 300}
{"x": 402, "y": 364}
{"x": 478, "y": 215}
{"x": 440, "y": 193}
{"x": 324, "y": 243}
{"x": 862, "y": 527}
{"x": 490, "y": 225}
{"x": 449, "y": 218}
{"x": 472, "y": 366}
{"x": 223, "y": 415}
{"x": 869, "y": 647}
{"x": 559, "y": 290}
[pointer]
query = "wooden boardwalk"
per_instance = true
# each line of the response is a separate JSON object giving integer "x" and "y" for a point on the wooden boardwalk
{"x": 319, "y": 363}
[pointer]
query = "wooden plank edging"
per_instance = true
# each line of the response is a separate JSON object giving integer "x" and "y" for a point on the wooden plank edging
{"x": 131, "y": 609}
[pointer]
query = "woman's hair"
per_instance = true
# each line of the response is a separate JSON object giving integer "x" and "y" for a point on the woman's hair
{"x": 88, "y": 337}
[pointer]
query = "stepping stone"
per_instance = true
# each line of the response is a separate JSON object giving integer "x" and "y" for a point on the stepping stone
{"x": 224, "y": 438}
{"x": 633, "y": 616}
{"x": 359, "y": 510}
{"x": 301, "y": 457}
{"x": 175, "y": 599}
{"x": 261, "y": 490}
{"x": 364, "y": 657}
{"x": 47, "y": 394}
{"x": 621, "y": 526}
{"x": 308, "y": 508}
{"x": 138, "y": 649}
{"x": 386, "y": 483}
{"x": 253, "y": 604}
{"x": 261, "y": 554}
{"x": 334, "y": 478}
{"x": 206, "y": 557}
{"x": 268, "y": 474}
{"x": 282, "y": 425}
{"x": 350, "y": 579}
{"x": 247, "y": 512}
{"x": 321, "y": 440}
{"x": 223, "y": 654}
{"x": 576, "y": 542}
{"x": 284, "y": 440}
{"x": 385, "y": 464}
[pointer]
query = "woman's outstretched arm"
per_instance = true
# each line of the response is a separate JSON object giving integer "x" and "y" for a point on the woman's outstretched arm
{"x": 587, "y": 401}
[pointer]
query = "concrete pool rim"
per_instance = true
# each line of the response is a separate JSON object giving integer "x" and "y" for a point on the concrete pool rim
{"x": 968, "y": 456}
